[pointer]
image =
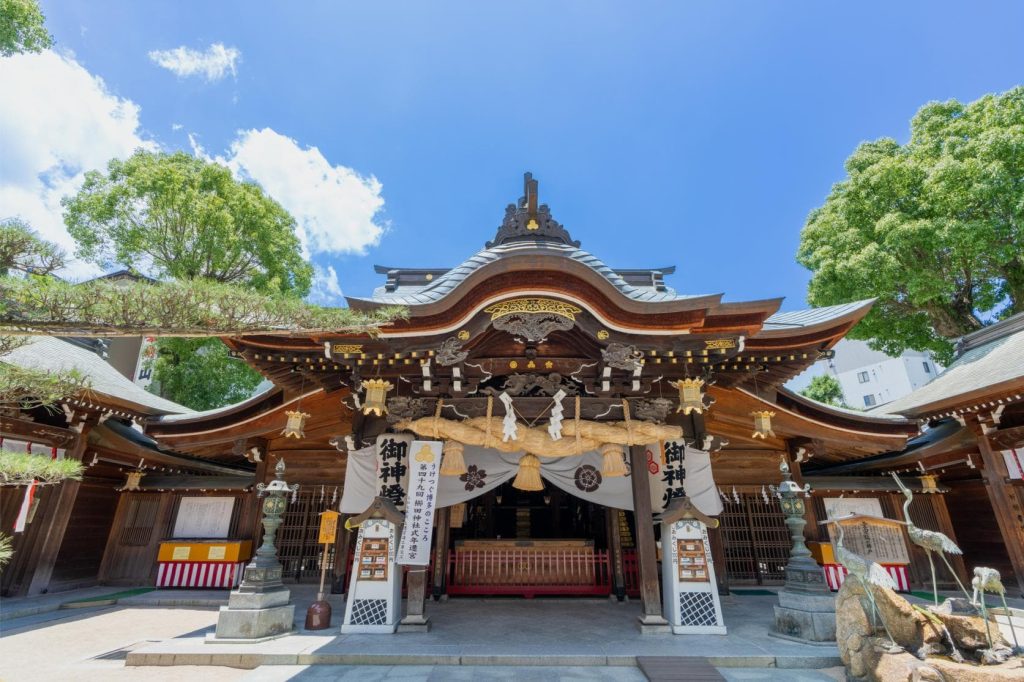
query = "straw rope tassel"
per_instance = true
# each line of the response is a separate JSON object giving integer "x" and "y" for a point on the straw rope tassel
{"x": 490, "y": 413}
{"x": 612, "y": 461}
{"x": 528, "y": 477}
{"x": 453, "y": 463}
{"x": 579, "y": 449}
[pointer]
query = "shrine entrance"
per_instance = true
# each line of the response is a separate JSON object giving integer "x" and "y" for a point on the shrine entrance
{"x": 529, "y": 543}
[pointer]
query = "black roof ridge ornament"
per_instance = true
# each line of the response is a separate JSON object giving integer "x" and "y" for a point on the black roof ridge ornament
{"x": 526, "y": 221}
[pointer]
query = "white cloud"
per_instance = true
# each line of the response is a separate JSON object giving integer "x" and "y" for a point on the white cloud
{"x": 176, "y": 126}
{"x": 57, "y": 121}
{"x": 326, "y": 287}
{"x": 336, "y": 208}
{"x": 213, "y": 64}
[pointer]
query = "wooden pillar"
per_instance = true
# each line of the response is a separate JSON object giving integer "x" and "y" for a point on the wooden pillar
{"x": 438, "y": 580}
{"x": 946, "y": 527}
{"x": 615, "y": 547}
{"x": 58, "y": 514}
{"x": 1005, "y": 504}
{"x": 647, "y": 552}
{"x": 339, "y": 571}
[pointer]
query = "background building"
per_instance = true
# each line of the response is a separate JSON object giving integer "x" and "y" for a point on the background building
{"x": 869, "y": 377}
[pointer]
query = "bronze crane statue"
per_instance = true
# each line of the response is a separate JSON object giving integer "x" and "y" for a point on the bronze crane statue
{"x": 865, "y": 570}
{"x": 930, "y": 541}
{"x": 988, "y": 580}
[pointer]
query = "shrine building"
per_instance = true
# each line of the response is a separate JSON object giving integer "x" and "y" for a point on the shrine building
{"x": 575, "y": 401}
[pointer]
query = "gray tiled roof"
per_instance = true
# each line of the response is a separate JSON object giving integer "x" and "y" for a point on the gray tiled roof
{"x": 795, "y": 319}
{"x": 995, "y": 362}
{"x": 51, "y": 354}
{"x": 443, "y": 285}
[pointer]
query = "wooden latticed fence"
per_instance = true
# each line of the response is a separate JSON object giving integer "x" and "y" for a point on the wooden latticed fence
{"x": 297, "y": 547}
{"x": 756, "y": 540}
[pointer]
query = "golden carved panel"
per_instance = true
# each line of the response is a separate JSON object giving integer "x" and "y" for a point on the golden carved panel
{"x": 518, "y": 306}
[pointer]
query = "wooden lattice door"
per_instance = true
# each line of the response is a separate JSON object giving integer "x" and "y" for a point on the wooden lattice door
{"x": 297, "y": 547}
{"x": 756, "y": 540}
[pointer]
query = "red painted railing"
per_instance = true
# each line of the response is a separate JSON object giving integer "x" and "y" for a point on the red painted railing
{"x": 529, "y": 572}
{"x": 631, "y": 572}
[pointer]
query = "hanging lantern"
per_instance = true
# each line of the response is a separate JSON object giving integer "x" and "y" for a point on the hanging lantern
{"x": 296, "y": 424}
{"x": 376, "y": 395}
{"x": 763, "y": 424}
{"x": 691, "y": 395}
{"x": 929, "y": 484}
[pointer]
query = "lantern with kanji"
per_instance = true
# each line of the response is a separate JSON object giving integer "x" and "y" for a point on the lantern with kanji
{"x": 296, "y": 424}
{"x": 691, "y": 396}
{"x": 763, "y": 424}
{"x": 376, "y": 395}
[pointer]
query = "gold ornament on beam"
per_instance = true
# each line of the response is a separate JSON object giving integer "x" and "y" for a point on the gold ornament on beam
{"x": 295, "y": 427}
{"x": 376, "y": 395}
{"x": 763, "y": 424}
{"x": 929, "y": 483}
{"x": 691, "y": 395}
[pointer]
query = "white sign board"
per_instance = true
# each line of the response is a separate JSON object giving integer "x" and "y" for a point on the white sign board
{"x": 417, "y": 532}
{"x": 203, "y": 517}
{"x": 876, "y": 542}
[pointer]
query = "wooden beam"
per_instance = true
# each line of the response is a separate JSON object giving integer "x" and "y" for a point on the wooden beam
{"x": 647, "y": 551}
{"x": 444, "y": 522}
{"x": 57, "y": 516}
{"x": 615, "y": 540}
{"x": 1005, "y": 503}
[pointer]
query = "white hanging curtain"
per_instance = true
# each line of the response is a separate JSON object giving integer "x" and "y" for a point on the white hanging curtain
{"x": 577, "y": 475}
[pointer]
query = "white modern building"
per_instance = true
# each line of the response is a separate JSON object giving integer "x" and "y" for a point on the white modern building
{"x": 870, "y": 378}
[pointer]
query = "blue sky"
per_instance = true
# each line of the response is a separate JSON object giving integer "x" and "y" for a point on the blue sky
{"x": 691, "y": 133}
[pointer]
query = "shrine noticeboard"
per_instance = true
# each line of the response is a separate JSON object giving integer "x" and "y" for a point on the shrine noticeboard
{"x": 328, "y": 527}
{"x": 869, "y": 534}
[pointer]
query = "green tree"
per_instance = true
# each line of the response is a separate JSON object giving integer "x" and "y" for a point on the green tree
{"x": 933, "y": 229}
{"x": 22, "y": 28}
{"x": 189, "y": 219}
{"x": 21, "y": 250}
{"x": 185, "y": 218}
{"x": 825, "y": 389}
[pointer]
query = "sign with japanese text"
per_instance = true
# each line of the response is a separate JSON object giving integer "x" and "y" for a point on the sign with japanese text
{"x": 328, "y": 527}
{"x": 424, "y": 468}
{"x": 393, "y": 467}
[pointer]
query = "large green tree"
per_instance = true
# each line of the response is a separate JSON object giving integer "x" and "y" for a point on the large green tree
{"x": 181, "y": 217}
{"x": 22, "y": 28}
{"x": 933, "y": 229}
{"x": 184, "y": 218}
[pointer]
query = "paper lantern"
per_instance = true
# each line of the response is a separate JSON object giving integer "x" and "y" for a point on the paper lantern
{"x": 763, "y": 424}
{"x": 295, "y": 427}
{"x": 691, "y": 395}
{"x": 376, "y": 395}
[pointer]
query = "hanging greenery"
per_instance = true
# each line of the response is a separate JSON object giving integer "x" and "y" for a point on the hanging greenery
{"x": 37, "y": 305}
{"x": 21, "y": 468}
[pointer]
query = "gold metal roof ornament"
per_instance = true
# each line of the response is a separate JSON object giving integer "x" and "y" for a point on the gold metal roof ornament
{"x": 376, "y": 396}
{"x": 763, "y": 424}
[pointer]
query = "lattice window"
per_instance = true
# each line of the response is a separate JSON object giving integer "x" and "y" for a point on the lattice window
{"x": 756, "y": 540}
{"x": 369, "y": 611}
{"x": 297, "y": 547}
{"x": 697, "y": 608}
{"x": 139, "y": 519}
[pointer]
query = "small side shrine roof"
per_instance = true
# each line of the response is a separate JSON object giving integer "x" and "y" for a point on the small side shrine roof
{"x": 51, "y": 354}
{"x": 990, "y": 362}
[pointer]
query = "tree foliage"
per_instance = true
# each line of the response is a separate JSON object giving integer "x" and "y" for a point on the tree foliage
{"x": 825, "y": 389}
{"x": 21, "y": 468}
{"x": 186, "y": 219}
{"x": 201, "y": 374}
{"x": 21, "y": 250}
{"x": 934, "y": 229}
{"x": 22, "y": 28}
{"x": 46, "y": 305}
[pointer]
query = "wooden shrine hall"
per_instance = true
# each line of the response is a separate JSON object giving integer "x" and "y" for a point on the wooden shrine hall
{"x": 553, "y": 380}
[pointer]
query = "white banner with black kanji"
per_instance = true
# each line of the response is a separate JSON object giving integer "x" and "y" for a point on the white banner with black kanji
{"x": 418, "y": 530}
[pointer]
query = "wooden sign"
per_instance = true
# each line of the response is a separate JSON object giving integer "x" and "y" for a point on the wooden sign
{"x": 328, "y": 527}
